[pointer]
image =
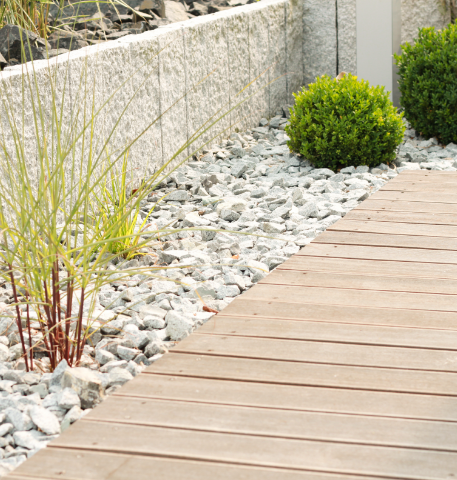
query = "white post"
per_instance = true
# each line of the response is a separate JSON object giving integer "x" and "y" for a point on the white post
{"x": 378, "y": 38}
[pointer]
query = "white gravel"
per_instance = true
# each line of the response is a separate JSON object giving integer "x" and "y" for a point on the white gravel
{"x": 249, "y": 184}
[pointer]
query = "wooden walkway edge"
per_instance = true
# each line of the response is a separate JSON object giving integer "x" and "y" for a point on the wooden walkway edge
{"x": 340, "y": 364}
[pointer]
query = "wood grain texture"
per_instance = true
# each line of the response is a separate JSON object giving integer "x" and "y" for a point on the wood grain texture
{"x": 418, "y": 255}
{"x": 394, "y": 228}
{"x": 307, "y": 374}
{"x": 74, "y": 464}
{"x": 235, "y": 449}
{"x": 267, "y": 327}
{"x": 289, "y": 397}
{"x": 417, "y": 218}
{"x": 279, "y": 423}
{"x": 304, "y": 261}
{"x": 310, "y": 278}
{"x": 389, "y": 205}
{"x": 324, "y": 352}
{"x": 342, "y": 314}
{"x": 345, "y": 237}
{"x": 351, "y": 297}
{"x": 415, "y": 196}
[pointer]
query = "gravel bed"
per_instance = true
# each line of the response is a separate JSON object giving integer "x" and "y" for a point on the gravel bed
{"x": 267, "y": 202}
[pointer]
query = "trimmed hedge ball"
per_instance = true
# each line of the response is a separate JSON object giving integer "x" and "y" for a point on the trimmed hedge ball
{"x": 340, "y": 122}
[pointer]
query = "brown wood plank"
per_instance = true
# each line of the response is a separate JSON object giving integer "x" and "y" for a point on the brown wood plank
{"x": 445, "y": 188}
{"x": 394, "y": 228}
{"x": 415, "y": 218}
{"x": 288, "y": 424}
{"x": 334, "y": 353}
{"x": 361, "y": 282}
{"x": 356, "y": 298}
{"x": 380, "y": 253}
{"x": 256, "y": 450}
{"x": 427, "y": 244}
{"x": 342, "y": 314}
{"x": 407, "y": 196}
{"x": 289, "y": 397}
{"x": 406, "y": 177}
{"x": 224, "y": 324}
{"x": 303, "y": 262}
{"x": 406, "y": 206}
{"x": 307, "y": 374}
{"x": 72, "y": 464}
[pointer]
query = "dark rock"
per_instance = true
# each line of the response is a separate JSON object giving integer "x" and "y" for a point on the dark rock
{"x": 119, "y": 18}
{"x": 69, "y": 43}
{"x": 102, "y": 24}
{"x": 11, "y": 37}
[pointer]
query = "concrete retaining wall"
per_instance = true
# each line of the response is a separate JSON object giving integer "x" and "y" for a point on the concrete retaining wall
{"x": 198, "y": 68}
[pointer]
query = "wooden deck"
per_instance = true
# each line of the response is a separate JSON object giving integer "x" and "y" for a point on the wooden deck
{"x": 341, "y": 364}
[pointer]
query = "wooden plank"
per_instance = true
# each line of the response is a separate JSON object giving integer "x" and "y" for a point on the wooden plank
{"x": 72, "y": 464}
{"x": 406, "y": 206}
{"x": 380, "y": 253}
{"x": 415, "y": 218}
{"x": 304, "y": 262}
{"x": 356, "y": 298}
{"x": 256, "y": 450}
{"x": 288, "y": 424}
{"x": 445, "y": 188}
{"x": 406, "y": 177}
{"x": 288, "y": 397}
{"x": 334, "y": 353}
{"x": 407, "y": 196}
{"x": 394, "y": 228}
{"x": 342, "y": 314}
{"x": 308, "y": 374}
{"x": 224, "y": 324}
{"x": 427, "y": 244}
{"x": 361, "y": 282}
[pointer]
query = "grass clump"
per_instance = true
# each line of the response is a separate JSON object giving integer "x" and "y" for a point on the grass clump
{"x": 341, "y": 122}
{"x": 428, "y": 83}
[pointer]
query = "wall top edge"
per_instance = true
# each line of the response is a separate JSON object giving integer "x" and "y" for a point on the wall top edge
{"x": 30, "y": 68}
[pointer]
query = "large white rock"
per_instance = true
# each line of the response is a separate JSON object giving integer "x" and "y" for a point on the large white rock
{"x": 45, "y": 420}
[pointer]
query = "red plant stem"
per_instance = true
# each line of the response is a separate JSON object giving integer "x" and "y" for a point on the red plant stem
{"x": 49, "y": 325}
{"x": 18, "y": 313}
{"x": 79, "y": 328}
{"x": 30, "y": 332}
{"x": 67, "y": 319}
{"x": 43, "y": 333}
{"x": 59, "y": 315}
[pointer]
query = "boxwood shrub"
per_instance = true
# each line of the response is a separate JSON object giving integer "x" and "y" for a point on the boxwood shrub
{"x": 337, "y": 123}
{"x": 428, "y": 83}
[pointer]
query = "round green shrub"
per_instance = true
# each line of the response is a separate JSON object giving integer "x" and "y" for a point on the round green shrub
{"x": 428, "y": 83}
{"x": 337, "y": 123}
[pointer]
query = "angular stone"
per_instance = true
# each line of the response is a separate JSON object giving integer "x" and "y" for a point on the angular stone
{"x": 178, "y": 326}
{"x": 151, "y": 310}
{"x": 126, "y": 353}
{"x": 46, "y": 421}
{"x": 103, "y": 356}
{"x": 68, "y": 398}
{"x": 18, "y": 419}
{"x": 153, "y": 348}
{"x": 86, "y": 384}
{"x": 119, "y": 376}
{"x": 57, "y": 374}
